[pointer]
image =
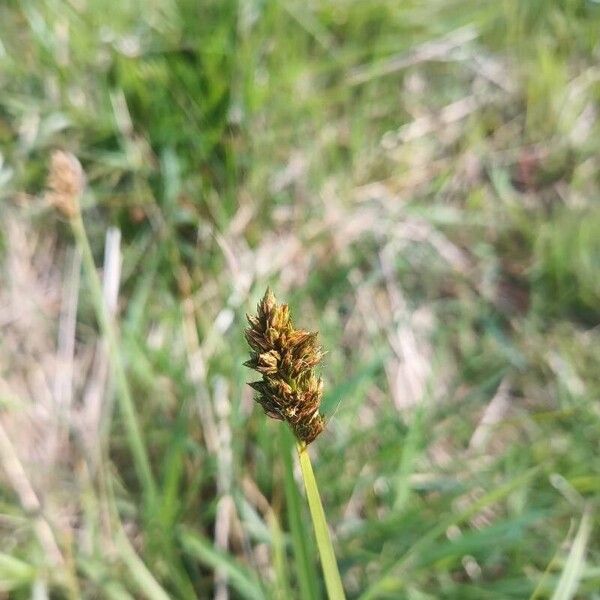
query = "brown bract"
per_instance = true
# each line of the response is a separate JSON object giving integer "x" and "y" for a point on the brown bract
{"x": 285, "y": 357}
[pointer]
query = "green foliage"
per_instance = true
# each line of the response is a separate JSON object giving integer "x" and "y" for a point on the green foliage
{"x": 14, "y": 573}
{"x": 568, "y": 264}
{"x": 420, "y": 181}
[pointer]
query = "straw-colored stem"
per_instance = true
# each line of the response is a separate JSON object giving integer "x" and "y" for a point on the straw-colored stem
{"x": 333, "y": 581}
{"x": 138, "y": 450}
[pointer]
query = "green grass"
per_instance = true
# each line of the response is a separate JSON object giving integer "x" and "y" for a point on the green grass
{"x": 419, "y": 181}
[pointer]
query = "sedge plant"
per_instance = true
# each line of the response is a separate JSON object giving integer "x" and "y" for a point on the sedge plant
{"x": 290, "y": 391}
{"x": 66, "y": 186}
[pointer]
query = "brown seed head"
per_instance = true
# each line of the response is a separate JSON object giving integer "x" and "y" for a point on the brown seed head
{"x": 66, "y": 182}
{"x": 285, "y": 357}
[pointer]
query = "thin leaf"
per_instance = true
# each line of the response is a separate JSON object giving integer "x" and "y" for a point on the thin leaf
{"x": 240, "y": 578}
{"x": 14, "y": 573}
{"x": 571, "y": 575}
{"x": 282, "y": 581}
{"x": 388, "y": 581}
{"x": 409, "y": 453}
{"x": 139, "y": 571}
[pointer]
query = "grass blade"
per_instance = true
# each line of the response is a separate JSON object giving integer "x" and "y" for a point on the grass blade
{"x": 409, "y": 454}
{"x": 139, "y": 571}
{"x": 239, "y": 577}
{"x": 389, "y": 580}
{"x": 569, "y": 580}
{"x": 282, "y": 583}
{"x": 14, "y": 573}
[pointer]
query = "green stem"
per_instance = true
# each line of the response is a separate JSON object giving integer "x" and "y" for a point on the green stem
{"x": 306, "y": 571}
{"x": 134, "y": 437}
{"x": 333, "y": 581}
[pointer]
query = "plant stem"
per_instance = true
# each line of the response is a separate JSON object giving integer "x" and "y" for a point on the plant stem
{"x": 333, "y": 581}
{"x": 306, "y": 571}
{"x": 141, "y": 462}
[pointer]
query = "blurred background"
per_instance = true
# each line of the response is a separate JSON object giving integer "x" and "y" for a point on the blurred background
{"x": 419, "y": 180}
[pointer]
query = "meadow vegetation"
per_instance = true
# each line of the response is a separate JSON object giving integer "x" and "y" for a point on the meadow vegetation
{"x": 419, "y": 180}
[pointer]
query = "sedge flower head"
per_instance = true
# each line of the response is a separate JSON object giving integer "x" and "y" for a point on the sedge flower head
{"x": 286, "y": 358}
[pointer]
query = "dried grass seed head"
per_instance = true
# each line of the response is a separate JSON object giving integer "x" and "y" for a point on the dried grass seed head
{"x": 286, "y": 357}
{"x": 66, "y": 182}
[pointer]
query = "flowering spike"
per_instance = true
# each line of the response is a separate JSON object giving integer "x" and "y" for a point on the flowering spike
{"x": 66, "y": 182}
{"x": 285, "y": 357}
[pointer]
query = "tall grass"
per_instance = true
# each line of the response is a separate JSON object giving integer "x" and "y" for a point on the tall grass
{"x": 420, "y": 180}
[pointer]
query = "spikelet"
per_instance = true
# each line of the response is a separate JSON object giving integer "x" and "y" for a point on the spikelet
{"x": 286, "y": 358}
{"x": 66, "y": 182}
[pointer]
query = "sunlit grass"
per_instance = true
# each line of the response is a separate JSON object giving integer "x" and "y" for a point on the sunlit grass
{"x": 420, "y": 180}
